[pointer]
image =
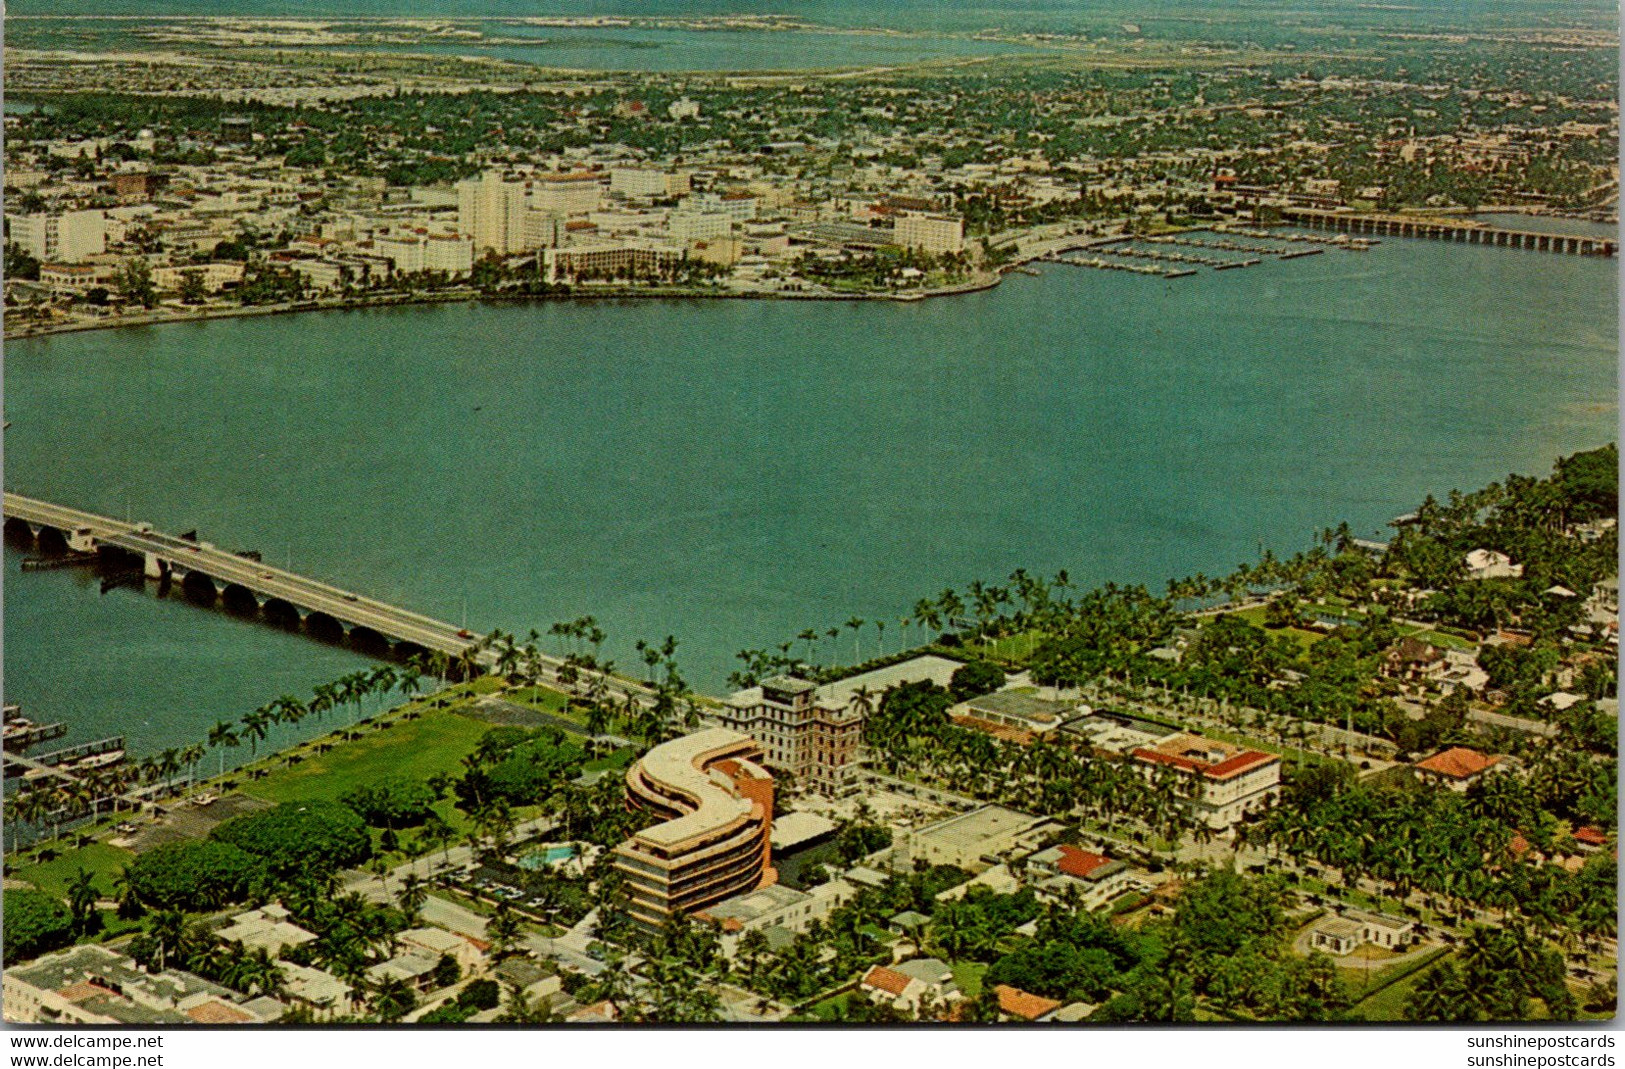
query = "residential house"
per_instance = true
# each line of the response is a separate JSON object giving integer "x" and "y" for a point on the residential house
{"x": 1095, "y": 878}
{"x": 1456, "y": 768}
{"x": 1018, "y": 1005}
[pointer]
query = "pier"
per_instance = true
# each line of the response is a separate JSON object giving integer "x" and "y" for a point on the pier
{"x": 60, "y": 762}
{"x": 1466, "y": 232}
{"x": 21, "y": 733}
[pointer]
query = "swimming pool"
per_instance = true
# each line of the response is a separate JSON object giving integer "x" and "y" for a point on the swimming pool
{"x": 547, "y": 855}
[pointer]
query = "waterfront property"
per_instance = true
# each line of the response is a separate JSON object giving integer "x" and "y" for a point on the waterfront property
{"x": 811, "y": 739}
{"x": 715, "y": 804}
{"x": 1224, "y": 782}
{"x": 812, "y": 732}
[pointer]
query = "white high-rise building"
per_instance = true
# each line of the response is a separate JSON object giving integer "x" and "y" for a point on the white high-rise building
{"x": 574, "y": 193}
{"x": 413, "y": 249}
{"x": 68, "y": 237}
{"x": 635, "y": 182}
{"x": 688, "y": 226}
{"x": 491, "y": 212}
{"x": 935, "y": 234}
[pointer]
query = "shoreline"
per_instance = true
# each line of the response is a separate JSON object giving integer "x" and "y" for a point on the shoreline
{"x": 978, "y": 284}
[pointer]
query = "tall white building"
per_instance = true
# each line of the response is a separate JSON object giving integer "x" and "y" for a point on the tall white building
{"x": 412, "y": 249}
{"x": 737, "y": 205}
{"x": 935, "y": 234}
{"x": 689, "y": 226}
{"x": 543, "y": 230}
{"x": 491, "y": 212}
{"x": 635, "y": 182}
{"x": 68, "y": 237}
{"x": 572, "y": 193}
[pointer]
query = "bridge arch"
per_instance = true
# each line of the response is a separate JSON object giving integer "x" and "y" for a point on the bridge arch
{"x": 321, "y": 625}
{"x": 366, "y": 640}
{"x": 240, "y": 600}
{"x": 19, "y": 532}
{"x": 405, "y": 651}
{"x": 51, "y": 542}
{"x": 199, "y": 588}
{"x": 280, "y": 612}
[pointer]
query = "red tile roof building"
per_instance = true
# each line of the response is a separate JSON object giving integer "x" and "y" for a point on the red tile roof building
{"x": 1456, "y": 768}
{"x": 1226, "y": 782}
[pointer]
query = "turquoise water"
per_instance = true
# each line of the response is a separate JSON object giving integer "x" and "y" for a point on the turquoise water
{"x": 732, "y": 472}
{"x": 540, "y": 859}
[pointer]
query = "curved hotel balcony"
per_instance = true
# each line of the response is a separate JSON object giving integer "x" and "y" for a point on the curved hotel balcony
{"x": 715, "y": 804}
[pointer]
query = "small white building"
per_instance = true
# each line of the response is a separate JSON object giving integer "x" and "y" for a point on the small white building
{"x": 1491, "y": 564}
{"x": 267, "y": 928}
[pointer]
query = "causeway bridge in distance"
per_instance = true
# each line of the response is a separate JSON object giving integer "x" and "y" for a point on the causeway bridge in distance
{"x": 1469, "y": 232}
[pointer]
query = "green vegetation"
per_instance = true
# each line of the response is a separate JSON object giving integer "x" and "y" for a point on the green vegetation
{"x": 35, "y": 922}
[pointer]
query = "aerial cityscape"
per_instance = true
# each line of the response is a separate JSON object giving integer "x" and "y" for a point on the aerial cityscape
{"x": 1042, "y": 513}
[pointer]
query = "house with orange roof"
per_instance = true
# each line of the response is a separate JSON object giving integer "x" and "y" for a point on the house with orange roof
{"x": 1018, "y": 1005}
{"x": 1456, "y": 768}
{"x": 908, "y": 985}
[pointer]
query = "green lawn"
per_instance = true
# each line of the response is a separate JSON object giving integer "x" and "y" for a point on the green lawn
{"x": 545, "y": 700}
{"x": 1013, "y": 649}
{"x": 415, "y": 749}
{"x": 826, "y": 1009}
{"x": 1440, "y": 639}
{"x": 101, "y": 860}
{"x": 1389, "y": 1003}
{"x": 1255, "y": 616}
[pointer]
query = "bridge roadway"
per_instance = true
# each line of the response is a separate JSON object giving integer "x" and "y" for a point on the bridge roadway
{"x": 266, "y": 581}
{"x": 180, "y": 556}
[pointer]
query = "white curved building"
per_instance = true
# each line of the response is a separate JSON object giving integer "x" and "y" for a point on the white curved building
{"x": 713, "y": 841}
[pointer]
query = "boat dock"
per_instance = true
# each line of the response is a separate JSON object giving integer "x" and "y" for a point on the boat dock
{"x": 21, "y": 732}
{"x": 85, "y": 757}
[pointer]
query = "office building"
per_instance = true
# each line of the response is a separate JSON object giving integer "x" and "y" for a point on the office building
{"x": 64, "y": 237}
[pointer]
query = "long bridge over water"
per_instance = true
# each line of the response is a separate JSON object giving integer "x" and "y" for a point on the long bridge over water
{"x": 206, "y": 573}
{"x": 1469, "y": 232}
{"x": 246, "y": 585}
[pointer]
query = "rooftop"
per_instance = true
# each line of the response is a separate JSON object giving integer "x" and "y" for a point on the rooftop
{"x": 1024, "y": 706}
{"x": 678, "y": 765}
{"x": 1023, "y": 1004}
{"x": 979, "y": 826}
{"x": 1209, "y": 757}
{"x": 758, "y": 903}
{"x": 1458, "y": 762}
{"x": 792, "y": 829}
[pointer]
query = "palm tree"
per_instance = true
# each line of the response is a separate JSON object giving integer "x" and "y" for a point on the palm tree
{"x": 411, "y": 897}
{"x": 220, "y": 737}
{"x": 255, "y": 726}
{"x": 392, "y": 999}
{"x": 82, "y": 897}
{"x": 856, "y": 624}
{"x": 191, "y": 755}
